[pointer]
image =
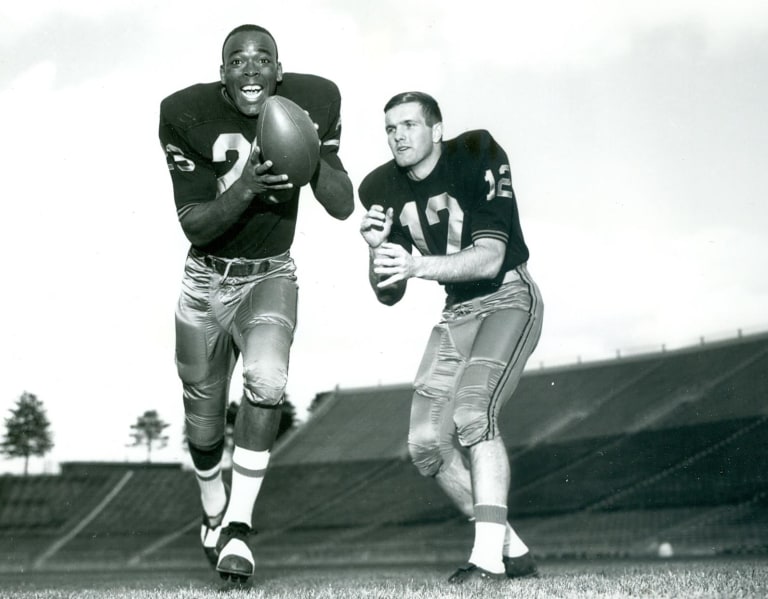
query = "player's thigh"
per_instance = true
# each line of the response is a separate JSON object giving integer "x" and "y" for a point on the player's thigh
{"x": 510, "y": 335}
{"x": 205, "y": 358}
{"x": 504, "y": 341}
{"x": 266, "y": 318}
{"x": 441, "y": 365}
{"x": 264, "y": 328}
{"x": 203, "y": 349}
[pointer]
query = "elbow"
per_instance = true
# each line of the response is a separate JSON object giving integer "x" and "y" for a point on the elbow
{"x": 344, "y": 209}
{"x": 346, "y": 204}
{"x": 347, "y": 212}
{"x": 193, "y": 236}
{"x": 389, "y": 299}
{"x": 492, "y": 268}
{"x": 390, "y": 296}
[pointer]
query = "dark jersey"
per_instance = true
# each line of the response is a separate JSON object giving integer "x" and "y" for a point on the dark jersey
{"x": 207, "y": 142}
{"x": 467, "y": 196}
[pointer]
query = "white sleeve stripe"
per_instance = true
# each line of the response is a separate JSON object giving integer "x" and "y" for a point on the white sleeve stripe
{"x": 331, "y": 142}
{"x": 182, "y": 212}
{"x": 490, "y": 234}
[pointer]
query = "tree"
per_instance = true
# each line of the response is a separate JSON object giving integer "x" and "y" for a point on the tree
{"x": 287, "y": 418}
{"x": 148, "y": 431}
{"x": 27, "y": 430}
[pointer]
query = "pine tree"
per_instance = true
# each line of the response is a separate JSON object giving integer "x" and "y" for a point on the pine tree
{"x": 148, "y": 431}
{"x": 27, "y": 430}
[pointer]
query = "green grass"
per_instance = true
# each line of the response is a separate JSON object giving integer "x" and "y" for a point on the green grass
{"x": 691, "y": 579}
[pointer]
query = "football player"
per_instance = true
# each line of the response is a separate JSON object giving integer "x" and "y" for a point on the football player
{"x": 239, "y": 290}
{"x": 453, "y": 200}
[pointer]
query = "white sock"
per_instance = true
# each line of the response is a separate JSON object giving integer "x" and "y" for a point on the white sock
{"x": 513, "y": 545}
{"x": 213, "y": 496}
{"x": 248, "y": 470}
{"x": 490, "y": 528}
{"x": 486, "y": 552}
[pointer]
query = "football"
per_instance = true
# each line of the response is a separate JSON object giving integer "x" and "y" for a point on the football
{"x": 287, "y": 136}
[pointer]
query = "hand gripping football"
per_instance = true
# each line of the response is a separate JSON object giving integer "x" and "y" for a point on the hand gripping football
{"x": 287, "y": 136}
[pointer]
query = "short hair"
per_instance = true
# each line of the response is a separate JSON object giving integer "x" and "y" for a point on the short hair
{"x": 247, "y": 27}
{"x": 429, "y": 105}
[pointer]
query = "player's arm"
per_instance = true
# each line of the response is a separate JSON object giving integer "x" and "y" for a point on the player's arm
{"x": 204, "y": 212}
{"x": 333, "y": 189}
{"x": 331, "y": 184}
{"x": 375, "y": 229}
{"x": 482, "y": 260}
{"x": 204, "y": 222}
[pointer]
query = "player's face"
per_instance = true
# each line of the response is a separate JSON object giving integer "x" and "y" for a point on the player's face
{"x": 414, "y": 144}
{"x": 250, "y": 72}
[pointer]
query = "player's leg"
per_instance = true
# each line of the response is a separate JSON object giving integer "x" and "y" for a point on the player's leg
{"x": 504, "y": 341}
{"x": 432, "y": 431}
{"x": 205, "y": 357}
{"x": 263, "y": 328}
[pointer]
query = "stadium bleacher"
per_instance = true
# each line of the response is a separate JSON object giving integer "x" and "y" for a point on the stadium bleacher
{"x": 608, "y": 458}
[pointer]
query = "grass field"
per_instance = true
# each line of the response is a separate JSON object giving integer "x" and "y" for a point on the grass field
{"x": 740, "y": 578}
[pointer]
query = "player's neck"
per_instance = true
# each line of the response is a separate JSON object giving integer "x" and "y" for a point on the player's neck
{"x": 422, "y": 170}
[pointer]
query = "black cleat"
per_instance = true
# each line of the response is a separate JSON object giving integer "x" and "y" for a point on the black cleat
{"x": 523, "y": 566}
{"x": 473, "y": 573}
{"x": 236, "y": 561}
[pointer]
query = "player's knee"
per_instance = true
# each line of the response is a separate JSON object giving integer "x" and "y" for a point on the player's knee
{"x": 474, "y": 415}
{"x": 426, "y": 458}
{"x": 471, "y": 420}
{"x": 424, "y": 449}
{"x": 265, "y": 386}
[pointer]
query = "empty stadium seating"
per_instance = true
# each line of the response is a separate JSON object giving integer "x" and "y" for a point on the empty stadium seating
{"x": 608, "y": 458}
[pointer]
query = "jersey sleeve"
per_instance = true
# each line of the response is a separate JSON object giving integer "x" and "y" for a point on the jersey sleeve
{"x": 193, "y": 178}
{"x": 321, "y": 98}
{"x": 330, "y": 137}
{"x": 377, "y": 188}
{"x": 496, "y": 205}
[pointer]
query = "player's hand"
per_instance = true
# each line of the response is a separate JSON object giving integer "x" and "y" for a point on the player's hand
{"x": 259, "y": 181}
{"x": 393, "y": 262}
{"x": 376, "y": 225}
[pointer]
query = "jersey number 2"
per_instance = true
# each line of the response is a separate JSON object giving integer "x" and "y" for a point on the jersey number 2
{"x": 227, "y": 142}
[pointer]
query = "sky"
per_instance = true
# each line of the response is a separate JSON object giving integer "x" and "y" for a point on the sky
{"x": 636, "y": 136}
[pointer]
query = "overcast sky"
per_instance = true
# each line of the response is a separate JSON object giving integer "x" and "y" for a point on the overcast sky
{"x": 635, "y": 131}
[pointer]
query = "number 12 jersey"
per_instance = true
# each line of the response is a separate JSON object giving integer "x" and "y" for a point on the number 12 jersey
{"x": 467, "y": 196}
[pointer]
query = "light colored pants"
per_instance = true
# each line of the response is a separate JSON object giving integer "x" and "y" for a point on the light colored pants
{"x": 217, "y": 319}
{"x": 471, "y": 366}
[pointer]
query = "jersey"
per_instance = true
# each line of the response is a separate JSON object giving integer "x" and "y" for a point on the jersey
{"x": 467, "y": 196}
{"x": 207, "y": 143}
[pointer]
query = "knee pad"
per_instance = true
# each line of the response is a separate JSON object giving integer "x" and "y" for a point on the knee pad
{"x": 426, "y": 458}
{"x": 264, "y": 386}
{"x": 475, "y": 414}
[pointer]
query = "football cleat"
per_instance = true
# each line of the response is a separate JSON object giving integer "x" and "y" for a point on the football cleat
{"x": 209, "y": 533}
{"x": 210, "y": 530}
{"x": 473, "y": 573}
{"x": 523, "y": 566}
{"x": 235, "y": 557}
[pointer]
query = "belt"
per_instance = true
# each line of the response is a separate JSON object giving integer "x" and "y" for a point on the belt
{"x": 232, "y": 267}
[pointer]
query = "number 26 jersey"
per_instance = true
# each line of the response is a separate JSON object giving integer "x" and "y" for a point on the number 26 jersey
{"x": 467, "y": 196}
